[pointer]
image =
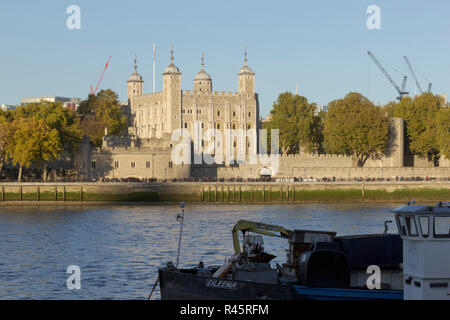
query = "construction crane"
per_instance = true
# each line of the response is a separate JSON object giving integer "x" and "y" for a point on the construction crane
{"x": 401, "y": 91}
{"x": 414, "y": 75}
{"x": 94, "y": 92}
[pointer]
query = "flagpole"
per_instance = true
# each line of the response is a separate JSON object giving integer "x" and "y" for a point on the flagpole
{"x": 154, "y": 67}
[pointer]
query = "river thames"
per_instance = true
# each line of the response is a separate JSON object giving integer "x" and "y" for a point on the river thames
{"x": 119, "y": 248}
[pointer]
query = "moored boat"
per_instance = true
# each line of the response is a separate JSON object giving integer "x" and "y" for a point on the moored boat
{"x": 413, "y": 264}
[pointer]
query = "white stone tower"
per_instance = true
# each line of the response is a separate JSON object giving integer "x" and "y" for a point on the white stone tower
{"x": 171, "y": 97}
{"x": 202, "y": 80}
{"x": 246, "y": 78}
{"x": 135, "y": 83}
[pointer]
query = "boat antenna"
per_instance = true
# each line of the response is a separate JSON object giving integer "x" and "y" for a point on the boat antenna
{"x": 180, "y": 219}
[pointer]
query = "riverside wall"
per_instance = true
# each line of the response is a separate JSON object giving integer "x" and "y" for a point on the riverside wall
{"x": 222, "y": 192}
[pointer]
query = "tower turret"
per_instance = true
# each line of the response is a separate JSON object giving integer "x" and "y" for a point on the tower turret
{"x": 246, "y": 78}
{"x": 135, "y": 83}
{"x": 202, "y": 80}
{"x": 172, "y": 96}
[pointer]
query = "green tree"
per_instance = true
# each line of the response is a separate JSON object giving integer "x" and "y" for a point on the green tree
{"x": 63, "y": 127}
{"x": 443, "y": 131}
{"x": 87, "y": 107}
{"x": 5, "y": 138}
{"x": 100, "y": 112}
{"x": 298, "y": 125}
{"x": 355, "y": 127}
{"x": 25, "y": 142}
{"x": 420, "y": 116}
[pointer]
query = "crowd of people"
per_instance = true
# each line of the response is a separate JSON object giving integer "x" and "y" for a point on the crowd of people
{"x": 73, "y": 178}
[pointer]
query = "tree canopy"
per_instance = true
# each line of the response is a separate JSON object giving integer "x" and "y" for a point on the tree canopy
{"x": 420, "y": 115}
{"x": 443, "y": 131}
{"x": 298, "y": 125}
{"x": 355, "y": 127}
{"x": 99, "y": 112}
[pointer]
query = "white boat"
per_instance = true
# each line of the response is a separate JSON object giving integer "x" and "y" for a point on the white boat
{"x": 425, "y": 231}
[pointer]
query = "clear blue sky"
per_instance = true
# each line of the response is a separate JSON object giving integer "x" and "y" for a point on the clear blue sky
{"x": 321, "y": 45}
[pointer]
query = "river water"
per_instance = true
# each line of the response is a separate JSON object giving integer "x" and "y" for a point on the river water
{"x": 119, "y": 248}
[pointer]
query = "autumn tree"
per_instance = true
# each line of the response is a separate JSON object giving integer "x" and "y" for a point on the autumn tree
{"x": 420, "y": 115}
{"x": 5, "y": 138}
{"x": 100, "y": 112}
{"x": 32, "y": 141}
{"x": 443, "y": 131}
{"x": 355, "y": 127}
{"x": 298, "y": 125}
{"x": 63, "y": 127}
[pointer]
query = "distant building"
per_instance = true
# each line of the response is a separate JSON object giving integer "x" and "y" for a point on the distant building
{"x": 71, "y": 103}
{"x": 321, "y": 107}
{"x": 264, "y": 120}
{"x": 6, "y": 107}
{"x": 444, "y": 96}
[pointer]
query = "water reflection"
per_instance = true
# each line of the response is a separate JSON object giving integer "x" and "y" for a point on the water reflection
{"x": 120, "y": 248}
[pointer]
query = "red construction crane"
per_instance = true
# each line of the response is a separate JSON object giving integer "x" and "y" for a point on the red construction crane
{"x": 94, "y": 92}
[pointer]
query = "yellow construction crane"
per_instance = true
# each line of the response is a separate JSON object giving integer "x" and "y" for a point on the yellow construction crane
{"x": 257, "y": 227}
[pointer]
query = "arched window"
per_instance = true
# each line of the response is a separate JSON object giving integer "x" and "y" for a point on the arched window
{"x": 234, "y": 126}
{"x": 249, "y": 114}
{"x": 185, "y": 125}
{"x": 218, "y": 113}
{"x": 249, "y": 126}
{"x": 218, "y": 126}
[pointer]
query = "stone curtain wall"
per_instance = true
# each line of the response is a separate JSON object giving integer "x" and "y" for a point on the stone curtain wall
{"x": 325, "y": 166}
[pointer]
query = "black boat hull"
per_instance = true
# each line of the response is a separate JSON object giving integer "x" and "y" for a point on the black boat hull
{"x": 177, "y": 285}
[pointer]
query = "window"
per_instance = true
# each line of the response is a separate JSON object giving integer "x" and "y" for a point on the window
{"x": 401, "y": 225}
{"x": 218, "y": 126}
{"x": 185, "y": 125}
{"x": 249, "y": 126}
{"x": 218, "y": 113}
{"x": 133, "y": 164}
{"x": 411, "y": 226}
{"x": 93, "y": 164}
{"x": 170, "y": 164}
{"x": 234, "y": 126}
{"x": 116, "y": 164}
{"x": 424, "y": 226}
{"x": 249, "y": 114}
{"x": 234, "y": 113}
{"x": 442, "y": 227}
{"x": 203, "y": 125}
{"x": 147, "y": 164}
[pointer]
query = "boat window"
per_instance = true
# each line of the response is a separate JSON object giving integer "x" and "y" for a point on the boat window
{"x": 442, "y": 227}
{"x": 411, "y": 226}
{"x": 424, "y": 223}
{"x": 401, "y": 225}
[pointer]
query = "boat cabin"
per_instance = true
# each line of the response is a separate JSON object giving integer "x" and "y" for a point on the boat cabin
{"x": 425, "y": 231}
